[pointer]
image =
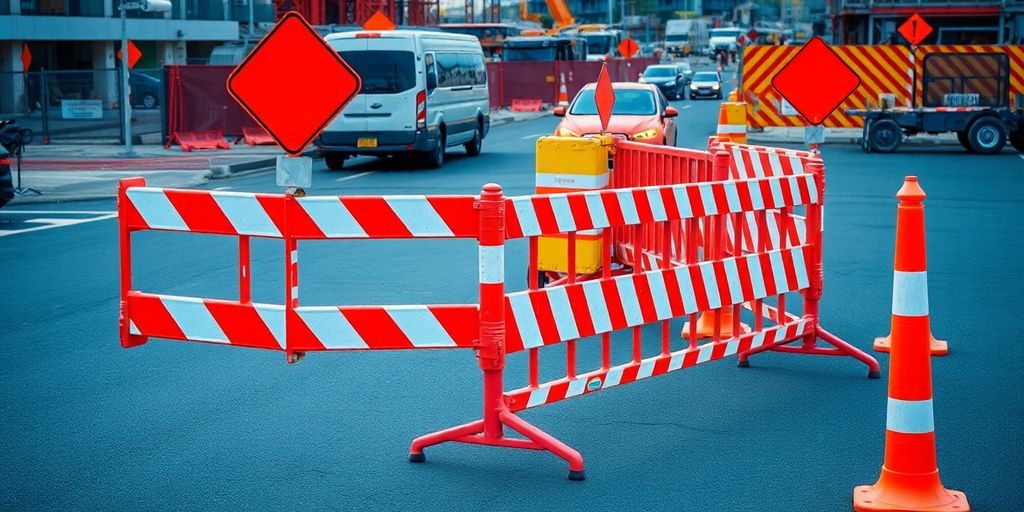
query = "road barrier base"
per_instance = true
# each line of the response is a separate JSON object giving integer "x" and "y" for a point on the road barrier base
{"x": 525, "y": 105}
{"x": 256, "y": 136}
{"x": 209, "y": 139}
{"x": 935, "y": 346}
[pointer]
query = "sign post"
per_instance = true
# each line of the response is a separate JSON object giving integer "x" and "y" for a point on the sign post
{"x": 293, "y": 111}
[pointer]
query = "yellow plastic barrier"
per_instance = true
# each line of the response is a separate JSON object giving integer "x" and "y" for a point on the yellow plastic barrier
{"x": 732, "y": 122}
{"x": 571, "y": 164}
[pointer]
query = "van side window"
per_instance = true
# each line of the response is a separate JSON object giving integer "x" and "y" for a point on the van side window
{"x": 448, "y": 72}
{"x": 475, "y": 71}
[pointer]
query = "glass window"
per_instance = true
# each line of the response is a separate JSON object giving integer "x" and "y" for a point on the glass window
{"x": 474, "y": 69}
{"x": 383, "y": 71}
{"x": 628, "y": 102}
{"x": 530, "y": 54}
{"x": 449, "y": 74}
{"x": 705, "y": 77}
{"x": 660, "y": 71}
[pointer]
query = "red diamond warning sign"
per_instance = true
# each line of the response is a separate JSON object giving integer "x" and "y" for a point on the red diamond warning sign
{"x": 815, "y": 81}
{"x": 628, "y": 48}
{"x": 269, "y": 83}
{"x": 134, "y": 54}
{"x": 915, "y": 29}
{"x": 604, "y": 97}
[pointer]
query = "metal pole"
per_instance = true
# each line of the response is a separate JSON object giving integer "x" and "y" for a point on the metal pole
{"x": 611, "y": 11}
{"x": 252, "y": 17}
{"x": 126, "y": 107}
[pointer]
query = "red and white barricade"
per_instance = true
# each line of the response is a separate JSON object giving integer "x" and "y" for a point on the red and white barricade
{"x": 673, "y": 225}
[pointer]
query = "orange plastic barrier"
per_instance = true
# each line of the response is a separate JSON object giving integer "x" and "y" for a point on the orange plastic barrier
{"x": 910, "y": 474}
{"x": 210, "y": 139}
{"x": 256, "y": 136}
{"x": 522, "y": 105}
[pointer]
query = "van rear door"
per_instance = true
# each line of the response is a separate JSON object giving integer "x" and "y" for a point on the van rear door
{"x": 389, "y": 70}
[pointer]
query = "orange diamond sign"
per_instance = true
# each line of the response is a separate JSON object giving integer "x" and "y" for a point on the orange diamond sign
{"x": 604, "y": 97}
{"x": 628, "y": 48}
{"x": 815, "y": 81}
{"x": 915, "y": 29}
{"x": 268, "y": 84}
{"x": 379, "y": 21}
{"x": 134, "y": 54}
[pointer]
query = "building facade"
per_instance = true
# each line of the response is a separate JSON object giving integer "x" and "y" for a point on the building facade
{"x": 953, "y": 21}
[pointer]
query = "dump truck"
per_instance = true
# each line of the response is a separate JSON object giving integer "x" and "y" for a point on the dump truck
{"x": 966, "y": 93}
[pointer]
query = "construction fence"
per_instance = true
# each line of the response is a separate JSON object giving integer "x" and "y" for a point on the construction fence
{"x": 887, "y": 71}
{"x": 82, "y": 106}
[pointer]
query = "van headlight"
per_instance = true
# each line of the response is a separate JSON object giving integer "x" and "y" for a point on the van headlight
{"x": 646, "y": 134}
{"x": 565, "y": 132}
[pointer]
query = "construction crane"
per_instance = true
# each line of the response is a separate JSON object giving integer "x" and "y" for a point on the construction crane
{"x": 559, "y": 13}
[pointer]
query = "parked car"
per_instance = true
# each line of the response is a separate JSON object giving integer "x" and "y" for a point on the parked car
{"x": 145, "y": 90}
{"x": 423, "y": 92}
{"x": 641, "y": 113}
{"x": 668, "y": 78}
{"x": 706, "y": 84}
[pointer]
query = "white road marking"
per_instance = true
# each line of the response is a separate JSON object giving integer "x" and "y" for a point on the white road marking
{"x": 686, "y": 106}
{"x": 54, "y": 223}
{"x": 223, "y": 188}
{"x": 354, "y": 176}
{"x": 535, "y": 135}
{"x": 55, "y": 212}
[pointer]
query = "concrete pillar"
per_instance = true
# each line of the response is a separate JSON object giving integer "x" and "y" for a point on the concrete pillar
{"x": 12, "y": 79}
{"x": 170, "y": 52}
{"x": 105, "y": 76}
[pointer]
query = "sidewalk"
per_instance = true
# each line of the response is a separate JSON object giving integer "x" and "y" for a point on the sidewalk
{"x": 79, "y": 172}
{"x": 840, "y": 136}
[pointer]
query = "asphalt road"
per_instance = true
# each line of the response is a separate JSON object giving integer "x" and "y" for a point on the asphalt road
{"x": 169, "y": 426}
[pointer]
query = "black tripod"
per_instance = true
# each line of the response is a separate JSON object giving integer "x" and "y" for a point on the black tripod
{"x": 19, "y": 190}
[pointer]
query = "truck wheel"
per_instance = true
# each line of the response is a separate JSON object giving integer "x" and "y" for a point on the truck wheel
{"x": 964, "y": 141}
{"x": 1017, "y": 139}
{"x": 334, "y": 161}
{"x": 885, "y": 136}
{"x": 987, "y": 136}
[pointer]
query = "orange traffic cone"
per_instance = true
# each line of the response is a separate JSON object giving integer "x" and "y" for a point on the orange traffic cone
{"x": 563, "y": 93}
{"x": 910, "y": 475}
{"x": 935, "y": 346}
{"x": 706, "y": 325}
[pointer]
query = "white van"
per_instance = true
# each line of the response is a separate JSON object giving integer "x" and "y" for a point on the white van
{"x": 422, "y": 92}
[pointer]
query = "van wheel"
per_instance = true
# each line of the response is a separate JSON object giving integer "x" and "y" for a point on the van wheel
{"x": 962, "y": 137}
{"x": 334, "y": 161}
{"x": 987, "y": 136}
{"x": 435, "y": 158}
{"x": 885, "y": 136}
{"x": 1017, "y": 140}
{"x": 474, "y": 146}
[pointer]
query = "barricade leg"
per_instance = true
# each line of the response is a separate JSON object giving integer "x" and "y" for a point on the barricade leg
{"x": 491, "y": 354}
{"x": 130, "y": 336}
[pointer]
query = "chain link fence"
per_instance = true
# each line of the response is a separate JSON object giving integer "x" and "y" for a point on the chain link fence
{"x": 83, "y": 107}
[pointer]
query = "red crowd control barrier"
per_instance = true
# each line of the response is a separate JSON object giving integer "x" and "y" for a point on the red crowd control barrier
{"x": 510, "y": 80}
{"x": 197, "y": 100}
{"x": 210, "y": 139}
{"x": 668, "y": 256}
{"x": 519, "y": 105}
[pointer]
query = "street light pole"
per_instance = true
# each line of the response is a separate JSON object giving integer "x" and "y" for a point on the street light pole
{"x": 126, "y": 108}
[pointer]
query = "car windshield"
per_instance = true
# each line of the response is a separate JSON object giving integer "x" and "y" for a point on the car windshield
{"x": 598, "y": 44}
{"x": 628, "y": 102}
{"x": 705, "y": 77}
{"x": 383, "y": 71}
{"x": 659, "y": 71}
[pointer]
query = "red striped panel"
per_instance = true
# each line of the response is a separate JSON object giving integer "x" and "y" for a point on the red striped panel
{"x": 580, "y": 311}
{"x": 580, "y": 212}
{"x": 723, "y": 282}
{"x": 611, "y": 298}
{"x": 200, "y": 211}
{"x": 375, "y": 326}
{"x": 512, "y": 227}
{"x": 300, "y": 337}
{"x": 151, "y": 317}
{"x": 644, "y": 298}
{"x": 611, "y": 208}
{"x": 700, "y": 295}
{"x": 545, "y": 214}
{"x": 545, "y": 318}
{"x": 376, "y": 217}
{"x": 643, "y": 206}
{"x": 767, "y": 274}
{"x": 462, "y": 323}
{"x": 299, "y": 223}
{"x": 458, "y": 214}
{"x": 242, "y": 325}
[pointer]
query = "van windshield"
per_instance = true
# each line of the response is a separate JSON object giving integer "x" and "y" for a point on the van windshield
{"x": 383, "y": 71}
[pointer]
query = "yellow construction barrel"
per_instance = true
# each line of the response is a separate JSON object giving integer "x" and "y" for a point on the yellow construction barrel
{"x": 571, "y": 164}
{"x": 732, "y": 122}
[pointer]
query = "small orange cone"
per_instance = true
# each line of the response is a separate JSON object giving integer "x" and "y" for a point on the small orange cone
{"x": 706, "y": 325}
{"x": 910, "y": 475}
{"x": 563, "y": 93}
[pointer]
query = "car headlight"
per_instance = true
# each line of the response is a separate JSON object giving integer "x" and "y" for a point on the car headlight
{"x": 646, "y": 134}
{"x": 714, "y": 86}
{"x": 693, "y": 86}
{"x": 565, "y": 132}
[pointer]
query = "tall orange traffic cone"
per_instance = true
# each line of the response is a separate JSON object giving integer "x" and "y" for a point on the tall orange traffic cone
{"x": 935, "y": 346}
{"x": 910, "y": 475}
{"x": 563, "y": 93}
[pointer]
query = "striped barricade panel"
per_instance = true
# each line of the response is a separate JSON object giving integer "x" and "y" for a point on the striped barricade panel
{"x": 529, "y": 216}
{"x": 275, "y": 216}
{"x": 760, "y": 162}
{"x": 968, "y": 67}
{"x": 882, "y": 70}
{"x": 598, "y": 380}
{"x": 795, "y": 227}
{"x": 264, "y": 326}
{"x": 551, "y": 315}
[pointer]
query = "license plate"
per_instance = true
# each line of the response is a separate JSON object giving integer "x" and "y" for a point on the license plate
{"x": 366, "y": 142}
